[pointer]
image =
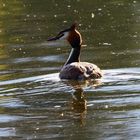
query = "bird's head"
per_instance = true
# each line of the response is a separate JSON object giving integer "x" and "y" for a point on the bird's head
{"x": 71, "y": 35}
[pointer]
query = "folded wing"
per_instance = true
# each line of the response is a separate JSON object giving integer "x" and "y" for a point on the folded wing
{"x": 80, "y": 70}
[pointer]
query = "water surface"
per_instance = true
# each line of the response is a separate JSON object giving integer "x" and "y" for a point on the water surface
{"x": 36, "y": 104}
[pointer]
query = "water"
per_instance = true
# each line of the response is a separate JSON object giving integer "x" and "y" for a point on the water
{"x": 36, "y": 104}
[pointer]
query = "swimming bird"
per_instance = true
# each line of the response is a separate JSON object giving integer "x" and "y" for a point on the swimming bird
{"x": 74, "y": 68}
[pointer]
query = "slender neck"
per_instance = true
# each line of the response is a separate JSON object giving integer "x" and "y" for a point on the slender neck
{"x": 74, "y": 55}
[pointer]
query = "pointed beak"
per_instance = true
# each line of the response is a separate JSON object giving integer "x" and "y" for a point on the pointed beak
{"x": 53, "y": 38}
{"x": 56, "y": 37}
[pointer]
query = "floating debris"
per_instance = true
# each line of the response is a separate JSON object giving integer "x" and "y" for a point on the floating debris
{"x": 92, "y": 15}
{"x": 69, "y": 6}
{"x": 34, "y": 16}
{"x": 107, "y": 44}
{"x": 106, "y": 106}
{"x": 27, "y": 15}
{"x": 99, "y": 9}
{"x": 65, "y": 21}
{"x": 3, "y": 5}
{"x": 55, "y": 16}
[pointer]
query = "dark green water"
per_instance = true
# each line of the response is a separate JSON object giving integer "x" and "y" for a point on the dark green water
{"x": 36, "y": 104}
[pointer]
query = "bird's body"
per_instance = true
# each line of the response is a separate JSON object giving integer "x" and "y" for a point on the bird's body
{"x": 73, "y": 68}
{"x": 80, "y": 71}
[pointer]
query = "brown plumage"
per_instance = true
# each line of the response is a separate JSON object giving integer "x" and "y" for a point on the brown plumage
{"x": 80, "y": 70}
{"x": 73, "y": 68}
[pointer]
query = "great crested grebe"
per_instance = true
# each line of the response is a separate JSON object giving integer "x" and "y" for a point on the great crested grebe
{"x": 73, "y": 68}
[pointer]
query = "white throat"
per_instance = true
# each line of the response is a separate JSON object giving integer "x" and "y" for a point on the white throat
{"x": 64, "y": 36}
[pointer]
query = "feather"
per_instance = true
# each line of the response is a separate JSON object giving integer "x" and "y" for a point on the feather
{"x": 80, "y": 71}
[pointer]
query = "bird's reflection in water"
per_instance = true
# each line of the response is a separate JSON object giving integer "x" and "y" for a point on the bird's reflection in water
{"x": 79, "y": 102}
{"x": 79, "y": 105}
